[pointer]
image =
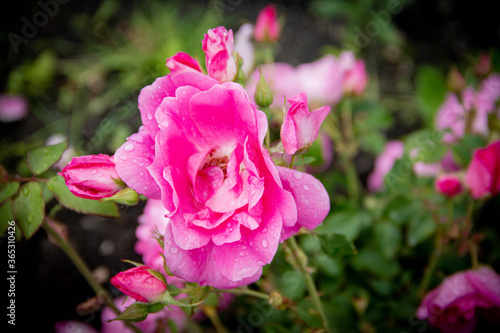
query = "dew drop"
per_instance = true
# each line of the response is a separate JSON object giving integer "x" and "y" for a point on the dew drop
{"x": 265, "y": 243}
{"x": 242, "y": 253}
{"x": 29, "y": 218}
{"x": 150, "y": 116}
{"x": 173, "y": 250}
{"x": 128, "y": 146}
{"x": 92, "y": 171}
{"x": 164, "y": 123}
{"x": 306, "y": 187}
{"x": 265, "y": 230}
{"x": 123, "y": 157}
{"x": 298, "y": 175}
{"x": 168, "y": 241}
{"x": 26, "y": 191}
{"x": 260, "y": 263}
{"x": 244, "y": 247}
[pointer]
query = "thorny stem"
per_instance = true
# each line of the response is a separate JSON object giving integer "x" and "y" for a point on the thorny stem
{"x": 25, "y": 179}
{"x": 311, "y": 287}
{"x": 248, "y": 292}
{"x": 84, "y": 270}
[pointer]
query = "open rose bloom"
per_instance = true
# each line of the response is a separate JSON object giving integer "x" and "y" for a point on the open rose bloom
{"x": 200, "y": 152}
{"x": 456, "y": 304}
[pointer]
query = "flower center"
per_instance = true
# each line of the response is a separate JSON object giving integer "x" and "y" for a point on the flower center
{"x": 213, "y": 158}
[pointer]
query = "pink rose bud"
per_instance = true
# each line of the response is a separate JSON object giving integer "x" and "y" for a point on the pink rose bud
{"x": 140, "y": 284}
{"x": 12, "y": 108}
{"x": 267, "y": 27}
{"x": 218, "y": 47}
{"x": 483, "y": 173}
{"x": 300, "y": 127}
{"x": 448, "y": 185}
{"x": 483, "y": 65}
{"x": 455, "y": 305}
{"x": 182, "y": 62}
{"x": 455, "y": 81}
{"x": 355, "y": 79}
{"x": 92, "y": 177}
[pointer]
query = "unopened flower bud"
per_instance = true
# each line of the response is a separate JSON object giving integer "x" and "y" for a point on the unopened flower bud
{"x": 455, "y": 81}
{"x": 263, "y": 93}
{"x": 448, "y": 185}
{"x": 141, "y": 284}
{"x": 483, "y": 65}
{"x": 267, "y": 26}
{"x": 127, "y": 197}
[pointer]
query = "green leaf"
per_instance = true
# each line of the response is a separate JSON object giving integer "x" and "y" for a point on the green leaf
{"x": 464, "y": 149}
{"x": 28, "y": 208}
{"x": 348, "y": 222}
{"x": 86, "y": 206}
{"x": 425, "y": 145}
{"x": 388, "y": 239}
{"x": 42, "y": 158}
{"x": 134, "y": 313}
{"x": 431, "y": 89}
{"x": 421, "y": 227}
{"x": 8, "y": 190}
{"x": 309, "y": 314}
{"x": 337, "y": 245}
{"x": 401, "y": 177}
{"x": 173, "y": 290}
{"x": 400, "y": 210}
{"x": 373, "y": 142}
{"x": 370, "y": 260}
{"x": 5, "y": 215}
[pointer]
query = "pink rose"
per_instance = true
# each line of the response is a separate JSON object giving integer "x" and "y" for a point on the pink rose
{"x": 73, "y": 326}
{"x": 140, "y": 284}
{"x": 218, "y": 47}
{"x": 356, "y": 79}
{"x": 200, "y": 152}
{"x": 483, "y": 65}
{"x": 383, "y": 164}
{"x": 454, "y": 305}
{"x": 321, "y": 81}
{"x": 483, "y": 173}
{"x": 91, "y": 176}
{"x": 300, "y": 127}
{"x": 267, "y": 26}
{"x": 182, "y": 62}
{"x": 12, "y": 108}
{"x": 448, "y": 185}
{"x": 151, "y": 324}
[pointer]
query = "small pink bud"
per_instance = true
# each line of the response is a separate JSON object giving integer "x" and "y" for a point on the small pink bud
{"x": 455, "y": 81}
{"x": 92, "y": 176}
{"x": 267, "y": 27}
{"x": 483, "y": 173}
{"x": 356, "y": 79}
{"x": 383, "y": 164}
{"x": 140, "y": 284}
{"x": 218, "y": 47}
{"x": 448, "y": 185}
{"x": 300, "y": 127}
{"x": 483, "y": 65}
{"x": 182, "y": 62}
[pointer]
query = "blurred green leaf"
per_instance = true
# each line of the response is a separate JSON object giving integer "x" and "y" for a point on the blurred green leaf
{"x": 370, "y": 260}
{"x": 431, "y": 89}
{"x": 400, "y": 210}
{"x": 57, "y": 186}
{"x": 421, "y": 226}
{"x": 308, "y": 314}
{"x": 348, "y": 222}
{"x": 388, "y": 238}
{"x": 5, "y": 215}
{"x": 28, "y": 208}
{"x": 464, "y": 149}
{"x": 337, "y": 245}
{"x": 400, "y": 178}
{"x": 373, "y": 142}
{"x": 425, "y": 145}
{"x": 8, "y": 190}
{"x": 40, "y": 159}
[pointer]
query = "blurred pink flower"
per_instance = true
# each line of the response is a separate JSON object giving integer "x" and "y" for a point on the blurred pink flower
{"x": 300, "y": 127}
{"x": 140, "y": 284}
{"x": 448, "y": 185}
{"x": 267, "y": 26}
{"x": 451, "y": 116}
{"x": 483, "y": 172}
{"x": 422, "y": 169}
{"x": 483, "y": 65}
{"x": 453, "y": 306}
{"x": 356, "y": 79}
{"x": 218, "y": 47}
{"x": 148, "y": 325}
{"x": 200, "y": 152}
{"x": 383, "y": 164}
{"x": 244, "y": 47}
{"x": 73, "y": 326}
{"x": 12, "y": 108}
{"x": 182, "y": 62}
{"x": 91, "y": 176}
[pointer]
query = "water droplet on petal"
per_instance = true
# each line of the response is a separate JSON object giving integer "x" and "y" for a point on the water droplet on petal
{"x": 306, "y": 187}
{"x": 149, "y": 116}
{"x": 265, "y": 243}
{"x": 242, "y": 253}
{"x": 173, "y": 250}
{"x": 164, "y": 123}
{"x": 128, "y": 146}
{"x": 265, "y": 230}
{"x": 123, "y": 157}
{"x": 260, "y": 263}
{"x": 298, "y": 175}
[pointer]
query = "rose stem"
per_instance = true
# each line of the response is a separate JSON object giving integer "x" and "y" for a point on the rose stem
{"x": 84, "y": 270}
{"x": 309, "y": 281}
{"x": 247, "y": 292}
